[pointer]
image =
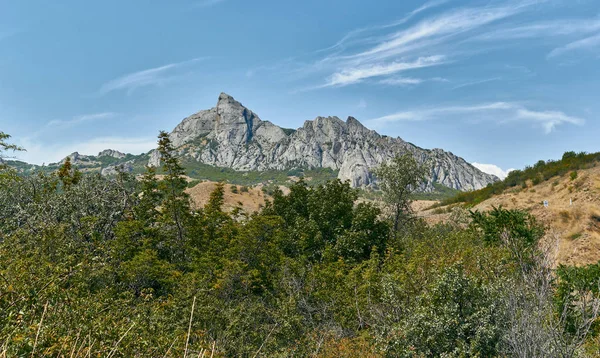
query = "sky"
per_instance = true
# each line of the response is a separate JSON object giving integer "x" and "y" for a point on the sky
{"x": 502, "y": 84}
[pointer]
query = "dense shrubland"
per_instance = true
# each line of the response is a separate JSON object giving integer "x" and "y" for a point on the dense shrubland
{"x": 531, "y": 175}
{"x": 91, "y": 266}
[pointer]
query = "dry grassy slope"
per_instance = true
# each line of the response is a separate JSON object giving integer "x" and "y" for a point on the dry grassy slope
{"x": 576, "y": 226}
{"x": 250, "y": 201}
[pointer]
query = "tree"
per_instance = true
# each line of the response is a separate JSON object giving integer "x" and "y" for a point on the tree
{"x": 173, "y": 185}
{"x": 5, "y": 147}
{"x": 69, "y": 175}
{"x": 398, "y": 179}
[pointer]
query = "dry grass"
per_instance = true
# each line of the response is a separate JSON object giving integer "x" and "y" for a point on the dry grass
{"x": 250, "y": 201}
{"x": 577, "y": 224}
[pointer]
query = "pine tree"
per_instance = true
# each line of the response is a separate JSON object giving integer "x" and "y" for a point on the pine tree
{"x": 175, "y": 202}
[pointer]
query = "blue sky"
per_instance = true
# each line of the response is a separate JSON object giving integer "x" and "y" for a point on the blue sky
{"x": 498, "y": 82}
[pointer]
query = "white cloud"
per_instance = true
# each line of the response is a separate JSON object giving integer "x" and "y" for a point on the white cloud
{"x": 150, "y": 77}
{"x": 592, "y": 42}
{"x": 548, "y": 119}
{"x": 492, "y": 169}
{"x": 385, "y": 50}
{"x": 354, "y": 33}
{"x": 431, "y": 31}
{"x": 358, "y": 74}
{"x": 81, "y": 119}
{"x": 500, "y": 112}
{"x": 401, "y": 81}
{"x": 39, "y": 153}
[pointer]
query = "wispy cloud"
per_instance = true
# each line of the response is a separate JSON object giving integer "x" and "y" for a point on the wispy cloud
{"x": 344, "y": 41}
{"x": 409, "y": 81}
{"x": 500, "y": 112}
{"x": 434, "y": 31}
{"x": 401, "y": 46}
{"x": 353, "y": 75}
{"x": 150, "y": 77}
{"x": 476, "y": 82}
{"x": 401, "y": 81}
{"x": 588, "y": 43}
{"x": 81, "y": 119}
{"x": 543, "y": 29}
{"x": 549, "y": 120}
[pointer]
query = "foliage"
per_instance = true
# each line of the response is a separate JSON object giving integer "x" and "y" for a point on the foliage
{"x": 123, "y": 267}
{"x": 398, "y": 180}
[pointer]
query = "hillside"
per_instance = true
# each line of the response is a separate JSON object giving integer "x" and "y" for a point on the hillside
{"x": 572, "y": 215}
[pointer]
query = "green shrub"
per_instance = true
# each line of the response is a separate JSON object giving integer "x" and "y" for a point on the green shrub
{"x": 573, "y": 175}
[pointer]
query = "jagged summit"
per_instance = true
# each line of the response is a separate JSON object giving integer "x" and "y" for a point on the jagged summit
{"x": 230, "y": 135}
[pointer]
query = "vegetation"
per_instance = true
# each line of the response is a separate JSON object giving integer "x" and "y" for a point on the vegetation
{"x": 541, "y": 171}
{"x": 398, "y": 180}
{"x": 119, "y": 267}
{"x": 202, "y": 171}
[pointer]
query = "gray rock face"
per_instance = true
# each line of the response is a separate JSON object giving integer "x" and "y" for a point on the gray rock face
{"x": 112, "y": 153}
{"x": 230, "y": 135}
{"x": 126, "y": 167}
{"x": 78, "y": 159}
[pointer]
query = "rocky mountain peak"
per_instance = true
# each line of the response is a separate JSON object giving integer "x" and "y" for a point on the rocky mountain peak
{"x": 230, "y": 135}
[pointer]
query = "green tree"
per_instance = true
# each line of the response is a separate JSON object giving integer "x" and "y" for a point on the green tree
{"x": 6, "y": 147}
{"x": 175, "y": 202}
{"x": 398, "y": 180}
{"x": 68, "y": 175}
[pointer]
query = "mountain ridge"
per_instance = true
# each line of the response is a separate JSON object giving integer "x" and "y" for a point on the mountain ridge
{"x": 232, "y": 136}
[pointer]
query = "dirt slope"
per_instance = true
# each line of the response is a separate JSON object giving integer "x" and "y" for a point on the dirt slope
{"x": 576, "y": 226}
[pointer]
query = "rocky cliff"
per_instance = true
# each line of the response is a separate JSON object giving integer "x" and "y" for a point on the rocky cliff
{"x": 230, "y": 135}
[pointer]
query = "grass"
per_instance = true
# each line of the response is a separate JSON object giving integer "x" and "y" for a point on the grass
{"x": 575, "y": 236}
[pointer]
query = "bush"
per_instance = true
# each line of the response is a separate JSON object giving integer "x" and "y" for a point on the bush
{"x": 573, "y": 175}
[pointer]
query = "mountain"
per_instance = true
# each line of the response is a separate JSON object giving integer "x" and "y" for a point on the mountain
{"x": 232, "y": 136}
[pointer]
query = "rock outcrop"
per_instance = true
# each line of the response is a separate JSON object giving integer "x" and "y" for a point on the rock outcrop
{"x": 114, "y": 169}
{"x": 79, "y": 159}
{"x": 230, "y": 135}
{"x": 112, "y": 154}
